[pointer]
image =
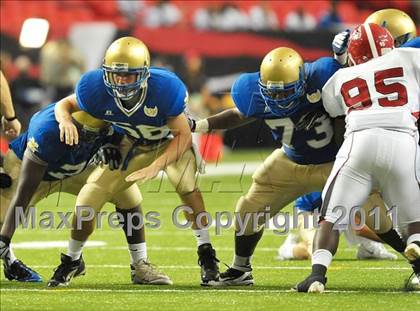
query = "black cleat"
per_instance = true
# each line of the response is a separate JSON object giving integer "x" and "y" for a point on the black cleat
{"x": 66, "y": 271}
{"x": 234, "y": 277}
{"x": 314, "y": 283}
{"x": 20, "y": 272}
{"x": 208, "y": 263}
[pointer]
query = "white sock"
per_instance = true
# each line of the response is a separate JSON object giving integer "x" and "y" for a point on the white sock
{"x": 287, "y": 251}
{"x": 242, "y": 263}
{"x": 202, "y": 236}
{"x": 75, "y": 249}
{"x": 413, "y": 237}
{"x": 137, "y": 252}
{"x": 322, "y": 257}
{"x": 7, "y": 254}
{"x": 12, "y": 258}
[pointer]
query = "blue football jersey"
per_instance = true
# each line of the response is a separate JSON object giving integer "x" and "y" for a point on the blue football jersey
{"x": 166, "y": 96}
{"x": 413, "y": 43}
{"x": 313, "y": 146}
{"x": 309, "y": 202}
{"x": 43, "y": 139}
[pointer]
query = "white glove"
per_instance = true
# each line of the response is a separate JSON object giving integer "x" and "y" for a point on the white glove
{"x": 339, "y": 46}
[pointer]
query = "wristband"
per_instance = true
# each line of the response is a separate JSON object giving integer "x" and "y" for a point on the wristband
{"x": 11, "y": 118}
{"x": 202, "y": 126}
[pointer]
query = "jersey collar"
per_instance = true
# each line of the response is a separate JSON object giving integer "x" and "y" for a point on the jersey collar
{"x": 131, "y": 111}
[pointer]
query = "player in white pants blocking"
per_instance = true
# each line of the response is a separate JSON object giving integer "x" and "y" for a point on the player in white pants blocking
{"x": 379, "y": 94}
{"x": 374, "y": 158}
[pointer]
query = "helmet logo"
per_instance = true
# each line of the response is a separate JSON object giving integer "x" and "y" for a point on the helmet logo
{"x": 119, "y": 66}
{"x": 151, "y": 112}
{"x": 356, "y": 35}
{"x": 275, "y": 84}
{"x": 32, "y": 144}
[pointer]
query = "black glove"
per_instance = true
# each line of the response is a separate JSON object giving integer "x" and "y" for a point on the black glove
{"x": 5, "y": 179}
{"x": 192, "y": 123}
{"x": 307, "y": 121}
{"x": 109, "y": 154}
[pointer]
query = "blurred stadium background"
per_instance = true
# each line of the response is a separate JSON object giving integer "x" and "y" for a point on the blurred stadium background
{"x": 47, "y": 45}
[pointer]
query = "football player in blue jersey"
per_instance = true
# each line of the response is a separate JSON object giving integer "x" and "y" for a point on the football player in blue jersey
{"x": 148, "y": 105}
{"x": 40, "y": 164}
{"x": 286, "y": 94}
{"x": 298, "y": 243}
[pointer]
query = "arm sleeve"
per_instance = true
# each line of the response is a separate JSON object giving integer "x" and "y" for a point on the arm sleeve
{"x": 416, "y": 63}
{"x": 330, "y": 102}
{"x": 89, "y": 91}
{"x": 240, "y": 97}
{"x": 81, "y": 92}
{"x": 322, "y": 70}
{"x": 414, "y": 43}
{"x": 44, "y": 146}
{"x": 179, "y": 100}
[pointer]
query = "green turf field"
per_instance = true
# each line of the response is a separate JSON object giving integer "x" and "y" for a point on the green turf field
{"x": 353, "y": 285}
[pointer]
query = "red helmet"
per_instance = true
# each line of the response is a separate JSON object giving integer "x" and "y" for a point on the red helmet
{"x": 368, "y": 41}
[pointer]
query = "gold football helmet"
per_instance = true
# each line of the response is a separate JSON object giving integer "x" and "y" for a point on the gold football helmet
{"x": 88, "y": 122}
{"x": 90, "y": 129}
{"x": 398, "y": 23}
{"x": 126, "y": 56}
{"x": 282, "y": 81}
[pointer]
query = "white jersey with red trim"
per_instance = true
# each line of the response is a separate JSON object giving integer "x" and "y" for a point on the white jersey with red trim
{"x": 381, "y": 93}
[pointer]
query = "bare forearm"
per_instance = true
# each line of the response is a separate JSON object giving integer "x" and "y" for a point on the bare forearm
{"x": 182, "y": 142}
{"x": 227, "y": 119}
{"x": 30, "y": 177}
{"x": 174, "y": 151}
{"x": 6, "y": 105}
{"x": 65, "y": 107}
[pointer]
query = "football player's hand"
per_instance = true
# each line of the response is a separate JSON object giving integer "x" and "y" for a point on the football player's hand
{"x": 11, "y": 128}
{"x": 111, "y": 155}
{"x": 192, "y": 123}
{"x": 144, "y": 174}
{"x": 68, "y": 133}
{"x": 339, "y": 44}
{"x": 5, "y": 179}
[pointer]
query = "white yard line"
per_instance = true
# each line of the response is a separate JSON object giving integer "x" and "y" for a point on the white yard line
{"x": 213, "y": 290}
{"x": 103, "y": 245}
{"x": 231, "y": 168}
{"x": 338, "y": 267}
